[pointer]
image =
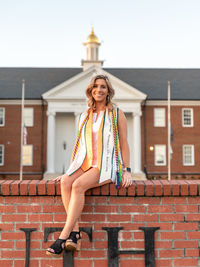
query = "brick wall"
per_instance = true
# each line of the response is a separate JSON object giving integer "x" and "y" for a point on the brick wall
{"x": 172, "y": 206}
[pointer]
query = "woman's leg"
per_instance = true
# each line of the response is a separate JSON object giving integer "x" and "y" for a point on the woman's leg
{"x": 66, "y": 187}
{"x": 80, "y": 185}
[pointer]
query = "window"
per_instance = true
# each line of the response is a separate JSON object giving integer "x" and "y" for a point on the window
{"x": 159, "y": 117}
{"x": 188, "y": 155}
{"x": 1, "y": 155}
{"x": 2, "y": 116}
{"x": 160, "y": 155}
{"x": 28, "y": 117}
{"x": 187, "y": 117}
{"x": 27, "y": 155}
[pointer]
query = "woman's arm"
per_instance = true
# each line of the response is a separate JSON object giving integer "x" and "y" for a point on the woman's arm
{"x": 123, "y": 140}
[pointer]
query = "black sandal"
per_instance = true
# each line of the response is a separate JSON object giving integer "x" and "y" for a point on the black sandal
{"x": 58, "y": 248}
{"x": 73, "y": 241}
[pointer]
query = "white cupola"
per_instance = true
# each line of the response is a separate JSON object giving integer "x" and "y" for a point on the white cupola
{"x": 92, "y": 52}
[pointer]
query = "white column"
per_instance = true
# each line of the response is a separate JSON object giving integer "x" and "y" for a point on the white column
{"x": 51, "y": 142}
{"x": 137, "y": 142}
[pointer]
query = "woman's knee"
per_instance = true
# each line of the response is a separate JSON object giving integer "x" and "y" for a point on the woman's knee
{"x": 77, "y": 187}
{"x": 66, "y": 181}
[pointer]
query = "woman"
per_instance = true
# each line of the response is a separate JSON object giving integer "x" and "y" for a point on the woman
{"x": 100, "y": 156}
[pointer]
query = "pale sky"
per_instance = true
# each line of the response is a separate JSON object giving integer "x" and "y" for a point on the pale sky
{"x": 133, "y": 33}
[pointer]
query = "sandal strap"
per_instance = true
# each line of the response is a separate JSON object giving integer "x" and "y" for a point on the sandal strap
{"x": 57, "y": 245}
{"x": 74, "y": 236}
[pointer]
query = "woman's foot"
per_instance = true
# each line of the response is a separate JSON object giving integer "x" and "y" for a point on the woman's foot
{"x": 74, "y": 241}
{"x": 56, "y": 249}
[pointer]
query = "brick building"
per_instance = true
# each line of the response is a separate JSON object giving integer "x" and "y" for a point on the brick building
{"x": 55, "y": 97}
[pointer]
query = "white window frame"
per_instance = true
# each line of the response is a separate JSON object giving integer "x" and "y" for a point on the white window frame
{"x": 31, "y": 164}
{"x": 2, "y": 125}
{"x": 32, "y": 123}
{"x": 192, "y": 118}
{"x": 156, "y": 163}
{"x": 164, "y": 122}
{"x": 2, "y": 163}
{"x": 193, "y": 159}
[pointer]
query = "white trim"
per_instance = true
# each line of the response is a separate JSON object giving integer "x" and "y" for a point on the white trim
{"x": 2, "y": 125}
{"x": 154, "y": 117}
{"x": 19, "y": 102}
{"x": 192, "y": 118}
{"x": 193, "y": 160}
{"x": 31, "y": 164}
{"x": 2, "y": 164}
{"x": 155, "y": 163}
{"x": 172, "y": 103}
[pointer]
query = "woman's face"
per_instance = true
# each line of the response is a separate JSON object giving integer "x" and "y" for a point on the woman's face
{"x": 100, "y": 91}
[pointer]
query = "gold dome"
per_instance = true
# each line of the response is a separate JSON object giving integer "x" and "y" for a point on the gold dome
{"x": 92, "y": 38}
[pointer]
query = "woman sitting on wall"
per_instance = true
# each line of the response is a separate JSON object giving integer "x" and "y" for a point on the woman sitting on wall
{"x": 100, "y": 156}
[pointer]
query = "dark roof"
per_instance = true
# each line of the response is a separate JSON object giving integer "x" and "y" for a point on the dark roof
{"x": 185, "y": 83}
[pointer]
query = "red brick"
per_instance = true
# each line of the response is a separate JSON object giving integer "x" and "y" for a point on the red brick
{"x": 147, "y": 200}
{"x": 101, "y": 245}
{"x": 99, "y": 235}
{"x": 51, "y": 262}
{"x": 171, "y": 253}
{"x": 132, "y": 262}
{"x": 185, "y": 226}
{"x": 157, "y": 187}
{"x": 7, "y": 209}
{"x": 6, "y": 187}
{"x": 132, "y": 226}
{"x": 166, "y": 187}
{"x": 163, "y": 226}
{"x": 192, "y": 188}
{"x": 33, "y": 187}
{"x": 13, "y": 218}
{"x": 30, "y": 208}
{"x": 105, "y": 190}
{"x": 99, "y": 200}
{"x": 58, "y": 189}
{"x": 118, "y": 218}
{"x": 138, "y": 235}
{"x": 184, "y": 188}
{"x": 39, "y": 217}
{"x": 193, "y": 235}
{"x": 92, "y": 217}
{"x": 186, "y": 208}
{"x": 113, "y": 190}
{"x": 33, "y": 263}
{"x": 51, "y": 191}
{"x": 100, "y": 263}
{"x": 193, "y": 200}
{"x": 173, "y": 200}
{"x": 172, "y": 235}
{"x": 53, "y": 208}
{"x": 131, "y": 190}
{"x": 6, "y": 263}
{"x": 15, "y": 188}
{"x": 26, "y": 225}
{"x": 149, "y": 188}
{"x": 163, "y": 244}
{"x": 171, "y": 217}
{"x": 82, "y": 263}
{"x": 42, "y": 187}
{"x": 16, "y": 200}
{"x": 192, "y": 217}
{"x": 23, "y": 187}
{"x": 163, "y": 263}
{"x": 92, "y": 254}
{"x": 12, "y": 254}
{"x": 130, "y": 208}
{"x": 145, "y": 218}
{"x": 159, "y": 209}
{"x": 132, "y": 244}
{"x": 185, "y": 244}
{"x": 42, "y": 200}
{"x": 140, "y": 188}
{"x": 60, "y": 217}
{"x": 121, "y": 200}
{"x": 185, "y": 262}
{"x": 6, "y": 226}
{"x": 96, "y": 191}
{"x": 98, "y": 226}
{"x": 175, "y": 188}
{"x": 12, "y": 236}
{"x": 6, "y": 244}
{"x": 106, "y": 209}
{"x": 192, "y": 252}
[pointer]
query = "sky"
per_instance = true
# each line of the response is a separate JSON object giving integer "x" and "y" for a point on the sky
{"x": 133, "y": 33}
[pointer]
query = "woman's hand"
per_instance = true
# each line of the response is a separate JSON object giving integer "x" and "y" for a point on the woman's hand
{"x": 126, "y": 179}
{"x": 57, "y": 179}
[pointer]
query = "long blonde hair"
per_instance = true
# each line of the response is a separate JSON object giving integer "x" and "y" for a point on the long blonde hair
{"x": 111, "y": 92}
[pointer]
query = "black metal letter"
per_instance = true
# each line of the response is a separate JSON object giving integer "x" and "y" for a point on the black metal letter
{"x": 113, "y": 251}
{"x": 27, "y": 234}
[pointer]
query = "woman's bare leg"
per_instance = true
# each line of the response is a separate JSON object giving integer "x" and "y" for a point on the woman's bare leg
{"x": 80, "y": 185}
{"x": 66, "y": 187}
